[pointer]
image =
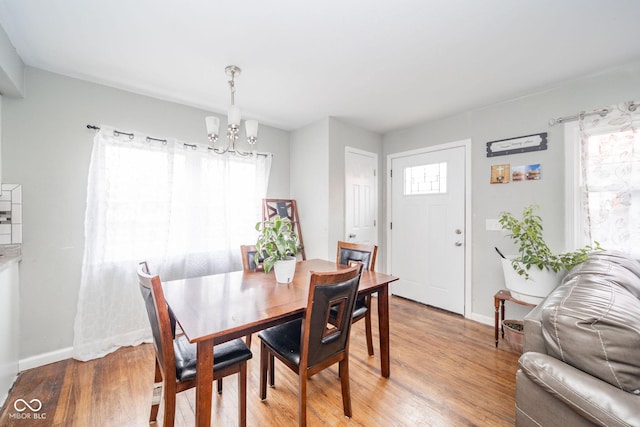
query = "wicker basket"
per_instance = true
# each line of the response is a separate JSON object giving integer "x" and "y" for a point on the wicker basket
{"x": 514, "y": 334}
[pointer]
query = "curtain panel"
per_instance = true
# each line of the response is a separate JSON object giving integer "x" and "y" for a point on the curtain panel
{"x": 181, "y": 207}
{"x": 610, "y": 168}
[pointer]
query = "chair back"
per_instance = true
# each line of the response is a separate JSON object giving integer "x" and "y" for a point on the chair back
{"x": 321, "y": 339}
{"x": 357, "y": 252}
{"x": 248, "y": 258}
{"x": 160, "y": 318}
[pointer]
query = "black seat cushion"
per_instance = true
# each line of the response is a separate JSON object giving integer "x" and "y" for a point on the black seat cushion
{"x": 358, "y": 311}
{"x": 284, "y": 339}
{"x": 224, "y": 355}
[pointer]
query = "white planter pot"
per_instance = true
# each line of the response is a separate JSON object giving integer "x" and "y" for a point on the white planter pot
{"x": 534, "y": 289}
{"x": 284, "y": 270}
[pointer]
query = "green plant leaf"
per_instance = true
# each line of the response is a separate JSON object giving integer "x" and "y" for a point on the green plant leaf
{"x": 526, "y": 233}
{"x": 276, "y": 241}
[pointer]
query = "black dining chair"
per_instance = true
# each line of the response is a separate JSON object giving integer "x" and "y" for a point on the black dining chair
{"x": 176, "y": 357}
{"x": 365, "y": 254}
{"x": 312, "y": 343}
{"x": 248, "y": 253}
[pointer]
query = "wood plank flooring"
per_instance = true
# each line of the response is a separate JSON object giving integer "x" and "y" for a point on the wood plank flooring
{"x": 445, "y": 371}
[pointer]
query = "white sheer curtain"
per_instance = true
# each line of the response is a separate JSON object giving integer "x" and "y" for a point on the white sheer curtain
{"x": 181, "y": 207}
{"x": 610, "y": 167}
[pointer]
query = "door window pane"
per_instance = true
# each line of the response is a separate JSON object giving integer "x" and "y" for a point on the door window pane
{"x": 425, "y": 179}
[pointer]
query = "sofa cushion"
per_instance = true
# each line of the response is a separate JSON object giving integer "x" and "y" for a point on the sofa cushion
{"x": 586, "y": 395}
{"x": 592, "y": 320}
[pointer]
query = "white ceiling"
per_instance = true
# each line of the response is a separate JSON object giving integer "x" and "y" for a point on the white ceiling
{"x": 378, "y": 64}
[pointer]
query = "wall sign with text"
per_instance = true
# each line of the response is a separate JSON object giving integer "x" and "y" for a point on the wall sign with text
{"x": 522, "y": 144}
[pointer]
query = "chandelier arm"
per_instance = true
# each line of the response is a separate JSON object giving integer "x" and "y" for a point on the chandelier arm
{"x": 220, "y": 150}
{"x": 240, "y": 152}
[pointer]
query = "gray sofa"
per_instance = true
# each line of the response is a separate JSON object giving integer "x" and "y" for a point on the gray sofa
{"x": 581, "y": 360}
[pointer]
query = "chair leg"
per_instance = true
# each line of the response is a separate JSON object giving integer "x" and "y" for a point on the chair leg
{"x": 346, "y": 392}
{"x": 272, "y": 370}
{"x": 157, "y": 394}
{"x": 242, "y": 396}
{"x": 219, "y": 384}
{"x": 169, "y": 405}
{"x": 264, "y": 362}
{"x": 302, "y": 398}
{"x": 367, "y": 327}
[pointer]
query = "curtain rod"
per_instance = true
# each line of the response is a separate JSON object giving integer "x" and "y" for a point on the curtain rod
{"x": 560, "y": 120}
{"x": 164, "y": 141}
{"x": 603, "y": 112}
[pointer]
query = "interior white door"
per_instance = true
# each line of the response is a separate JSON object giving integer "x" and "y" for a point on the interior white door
{"x": 427, "y": 228}
{"x": 361, "y": 196}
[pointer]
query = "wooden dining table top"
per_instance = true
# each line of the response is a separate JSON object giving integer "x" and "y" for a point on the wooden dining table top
{"x": 226, "y": 306}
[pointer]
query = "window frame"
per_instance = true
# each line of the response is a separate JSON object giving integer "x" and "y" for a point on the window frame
{"x": 573, "y": 183}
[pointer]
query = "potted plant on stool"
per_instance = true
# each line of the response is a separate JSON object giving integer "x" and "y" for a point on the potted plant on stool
{"x": 277, "y": 246}
{"x": 536, "y": 270}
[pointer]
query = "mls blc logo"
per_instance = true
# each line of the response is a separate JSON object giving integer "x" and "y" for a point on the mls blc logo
{"x": 34, "y": 405}
{"x": 21, "y": 405}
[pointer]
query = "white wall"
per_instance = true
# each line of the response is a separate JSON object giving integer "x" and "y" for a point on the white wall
{"x": 11, "y": 68}
{"x": 0, "y": 139}
{"x": 317, "y": 180}
{"x": 342, "y": 135}
{"x": 524, "y": 116}
{"x": 309, "y": 182}
{"x": 46, "y": 148}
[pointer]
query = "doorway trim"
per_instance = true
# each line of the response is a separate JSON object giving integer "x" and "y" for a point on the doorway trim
{"x": 466, "y": 144}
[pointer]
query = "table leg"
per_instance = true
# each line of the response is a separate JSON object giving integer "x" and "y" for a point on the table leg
{"x": 204, "y": 383}
{"x": 496, "y": 304}
{"x": 383, "y": 325}
{"x": 502, "y": 316}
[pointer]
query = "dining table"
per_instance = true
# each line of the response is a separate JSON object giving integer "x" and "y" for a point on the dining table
{"x": 221, "y": 307}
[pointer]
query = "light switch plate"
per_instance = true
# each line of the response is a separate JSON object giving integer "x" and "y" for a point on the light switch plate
{"x": 492, "y": 225}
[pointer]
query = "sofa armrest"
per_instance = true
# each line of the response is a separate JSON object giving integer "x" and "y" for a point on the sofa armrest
{"x": 533, "y": 338}
{"x": 594, "y": 399}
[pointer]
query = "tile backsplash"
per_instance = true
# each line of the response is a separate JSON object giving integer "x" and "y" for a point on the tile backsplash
{"x": 11, "y": 214}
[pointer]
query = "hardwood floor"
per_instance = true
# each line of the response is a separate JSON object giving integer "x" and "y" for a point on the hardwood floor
{"x": 445, "y": 371}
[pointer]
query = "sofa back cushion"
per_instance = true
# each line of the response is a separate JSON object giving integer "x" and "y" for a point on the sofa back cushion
{"x": 592, "y": 320}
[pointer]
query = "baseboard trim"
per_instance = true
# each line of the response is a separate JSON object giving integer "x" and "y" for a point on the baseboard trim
{"x": 482, "y": 319}
{"x": 45, "y": 359}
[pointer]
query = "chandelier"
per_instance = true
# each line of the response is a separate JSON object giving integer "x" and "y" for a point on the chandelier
{"x": 233, "y": 122}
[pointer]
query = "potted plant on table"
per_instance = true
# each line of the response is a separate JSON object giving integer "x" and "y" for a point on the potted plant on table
{"x": 536, "y": 270}
{"x": 277, "y": 246}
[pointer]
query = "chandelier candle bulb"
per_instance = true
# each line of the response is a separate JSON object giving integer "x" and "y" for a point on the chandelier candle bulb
{"x": 213, "y": 127}
{"x": 252, "y": 130}
{"x": 234, "y": 116}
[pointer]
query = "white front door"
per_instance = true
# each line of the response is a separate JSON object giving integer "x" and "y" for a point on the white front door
{"x": 361, "y": 196}
{"x": 428, "y": 227}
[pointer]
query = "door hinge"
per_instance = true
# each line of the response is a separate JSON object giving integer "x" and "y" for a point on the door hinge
{"x": 390, "y": 173}
{"x": 374, "y": 222}
{"x": 391, "y": 226}
{"x": 375, "y": 172}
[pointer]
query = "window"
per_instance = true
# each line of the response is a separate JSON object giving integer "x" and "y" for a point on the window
{"x": 603, "y": 183}
{"x": 180, "y": 207}
{"x": 425, "y": 179}
{"x": 175, "y": 203}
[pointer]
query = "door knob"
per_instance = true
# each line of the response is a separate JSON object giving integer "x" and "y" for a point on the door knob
{"x": 458, "y": 243}
{"x": 352, "y": 236}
